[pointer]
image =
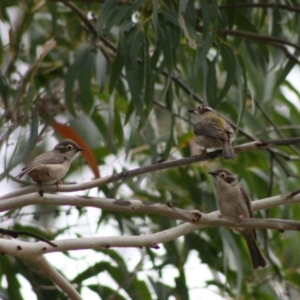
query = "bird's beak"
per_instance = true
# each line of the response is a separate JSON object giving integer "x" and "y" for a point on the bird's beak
{"x": 213, "y": 173}
{"x": 79, "y": 149}
{"x": 191, "y": 111}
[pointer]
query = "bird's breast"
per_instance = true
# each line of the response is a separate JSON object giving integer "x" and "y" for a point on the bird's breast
{"x": 49, "y": 172}
{"x": 208, "y": 142}
{"x": 232, "y": 204}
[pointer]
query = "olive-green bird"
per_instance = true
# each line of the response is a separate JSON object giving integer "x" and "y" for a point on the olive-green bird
{"x": 212, "y": 131}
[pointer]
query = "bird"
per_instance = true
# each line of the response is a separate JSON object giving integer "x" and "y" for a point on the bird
{"x": 52, "y": 165}
{"x": 212, "y": 131}
{"x": 234, "y": 202}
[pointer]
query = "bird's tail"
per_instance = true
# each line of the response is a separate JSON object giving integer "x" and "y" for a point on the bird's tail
{"x": 257, "y": 258}
{"x": 228, "y": 151}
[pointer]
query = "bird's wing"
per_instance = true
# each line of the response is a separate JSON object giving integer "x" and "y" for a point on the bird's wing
{"x": 209, "y": 128}
{"x": 46, "y": 158}
{"x": 53, "y": 158}
{"x": 229, "y": 130}
{"x": 248, "y": 203}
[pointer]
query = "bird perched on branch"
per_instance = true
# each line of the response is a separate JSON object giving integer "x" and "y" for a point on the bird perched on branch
{"x": 213, "y": 131}
{"x": 234, "y": 202}
{"x": 52, "y": 165}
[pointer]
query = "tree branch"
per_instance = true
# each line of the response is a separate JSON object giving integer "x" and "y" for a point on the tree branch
{"x": 276, "y": 42}
{"x": 57, "y": 278}
{"x": 15, "y": 234}
{"x": 138, "y": 206}
{"x": 288, "y": 54}
{"x": 32, "y": 251}
{"x": 80, "y": 15}
{"x": 259, "y": 37}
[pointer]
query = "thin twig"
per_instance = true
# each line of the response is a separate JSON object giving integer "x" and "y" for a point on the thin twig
{"x": 259, "y": 37}
{"x": 270, "y": 129}
{"x": 87, "y": 23}
{"x": 15, "y": 234}
{"x": 260, "y": 5}
{"x": 285, "y": 50}
{"x": 271, "y": 174}
{"x": 268, "y": 117}
{"x": 276, "y": 42}
{"x": 285, "y": 170}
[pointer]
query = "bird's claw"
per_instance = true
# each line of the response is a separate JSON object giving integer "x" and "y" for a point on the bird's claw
{"x": 239, "y": 217}
{"x": 204, "y": 152}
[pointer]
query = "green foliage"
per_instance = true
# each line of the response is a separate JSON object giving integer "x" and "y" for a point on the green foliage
{"x": 123, "y": 75}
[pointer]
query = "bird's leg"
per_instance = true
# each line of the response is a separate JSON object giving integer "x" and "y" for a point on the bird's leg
{"x": 41, "y": 192}
{"x": 239, "y": 218}
{"x": 159, "y": 161}
{"x": 204, "y": 152}
{"x": 58, "y": 182}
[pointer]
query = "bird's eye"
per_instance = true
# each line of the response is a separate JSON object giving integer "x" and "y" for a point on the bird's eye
{"x": 223, "y": 175}
{"x": 69, "y": 147}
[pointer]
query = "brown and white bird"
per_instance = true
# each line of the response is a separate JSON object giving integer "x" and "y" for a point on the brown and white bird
{"x": 212, "y": 131}
{"x": 234, "y": 202}
{"x": 52, "y": 165}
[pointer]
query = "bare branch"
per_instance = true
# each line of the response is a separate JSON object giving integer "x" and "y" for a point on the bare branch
{"x": 57, "y": 278}
{"x": 29, "y": 250}
{"x": 138, "y": 206}
{"x": 130, "y": 206}
{"x": 214, "y": 219}
{"x": 270, "y": 202}
{"x": 32, "y": 251}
